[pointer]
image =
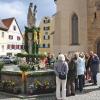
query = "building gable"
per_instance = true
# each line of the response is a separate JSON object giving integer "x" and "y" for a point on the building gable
{"x": 12, "y": 25}
{"x": 14, "y": 28}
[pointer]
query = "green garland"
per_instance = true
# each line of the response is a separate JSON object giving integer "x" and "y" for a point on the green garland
{"x": 32, "y": 30}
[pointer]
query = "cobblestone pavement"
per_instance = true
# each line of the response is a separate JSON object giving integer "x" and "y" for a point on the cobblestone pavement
{"x": 90, "y": 93}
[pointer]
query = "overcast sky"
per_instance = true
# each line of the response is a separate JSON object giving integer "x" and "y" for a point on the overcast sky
{"x": 19, "y": 9}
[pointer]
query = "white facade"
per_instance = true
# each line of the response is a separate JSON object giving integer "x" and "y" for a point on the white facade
{"x": 11, "y": 41}
{"x": 3, "y": 42}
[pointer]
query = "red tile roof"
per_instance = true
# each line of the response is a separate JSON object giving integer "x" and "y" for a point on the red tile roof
{"x": 7, "y": 22}
{"x": 2, "y": 26}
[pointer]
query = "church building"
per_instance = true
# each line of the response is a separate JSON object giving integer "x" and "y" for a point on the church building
{"x": 77, "y": 26}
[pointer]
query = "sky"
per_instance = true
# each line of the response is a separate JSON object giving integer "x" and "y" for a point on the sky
{"x": 19, "y": 10}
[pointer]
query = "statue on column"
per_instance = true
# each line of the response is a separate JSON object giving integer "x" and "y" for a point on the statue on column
{"x": 31, "y": 32}
{"x": 31, "y": 18}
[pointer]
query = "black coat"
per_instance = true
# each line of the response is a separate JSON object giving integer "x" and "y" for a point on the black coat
{"x": 72, "y": 72}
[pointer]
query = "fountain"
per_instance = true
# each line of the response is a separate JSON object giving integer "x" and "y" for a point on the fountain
{"x": 18, "y": 81}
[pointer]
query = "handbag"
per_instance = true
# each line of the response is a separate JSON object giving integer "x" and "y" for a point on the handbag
{"x": 62, "y": 76}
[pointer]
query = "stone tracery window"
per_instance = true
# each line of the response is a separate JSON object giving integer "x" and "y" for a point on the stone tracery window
{"x": 74, "y": 29}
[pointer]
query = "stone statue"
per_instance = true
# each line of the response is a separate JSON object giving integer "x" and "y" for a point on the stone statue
{"x": 31, "y": 22}
{"x": 31, "y": 18}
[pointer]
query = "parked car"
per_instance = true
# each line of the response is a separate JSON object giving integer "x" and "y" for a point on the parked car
{"x": 6, "y": 60}
{"x": 13, "y": 59}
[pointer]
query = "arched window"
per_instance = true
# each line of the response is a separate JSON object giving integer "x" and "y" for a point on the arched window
{"x": 75, "y": 29}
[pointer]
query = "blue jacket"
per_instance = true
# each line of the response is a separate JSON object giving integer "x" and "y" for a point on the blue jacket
{"x": 60, "y": 67}
{"x": 95, "y": 64}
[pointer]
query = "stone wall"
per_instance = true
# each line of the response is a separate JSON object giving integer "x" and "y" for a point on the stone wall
{"x": 93, "y": 24}
{"x": 31, "y": 77}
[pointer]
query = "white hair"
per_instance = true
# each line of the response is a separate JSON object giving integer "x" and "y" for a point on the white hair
{"x": 61, "y": 57}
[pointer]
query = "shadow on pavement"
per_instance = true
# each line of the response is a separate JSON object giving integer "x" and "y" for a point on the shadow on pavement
{"x": 91, "y": 90}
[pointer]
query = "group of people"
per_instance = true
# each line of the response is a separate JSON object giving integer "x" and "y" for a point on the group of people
{"x": 77, "y": 68}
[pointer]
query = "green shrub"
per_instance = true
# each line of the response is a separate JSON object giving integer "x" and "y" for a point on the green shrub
{"x": 24, "y": 67}
{"x": 1, "y": 65}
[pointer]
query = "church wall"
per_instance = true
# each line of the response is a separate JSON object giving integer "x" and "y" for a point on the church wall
{"x": 62, "y": 40}
{"x": 93, "y": 24}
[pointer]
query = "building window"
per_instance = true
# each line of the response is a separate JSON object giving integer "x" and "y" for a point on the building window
{"x": 18, "y": 38}
{"x": 10, "y": 37}
{"x": 48, "y": 45}
{"x": 8, "y": 46}
{"x": 46, "y": 37}
{"x": 2, "y": 34}
{"x": 17, "y": 46}
{"x": 74, "y": 29}
{"x": 14, "y": 28}
{"x": 22, "y": 47}
{"x": 43, "y": 45}
{"x": 2, "y": 47}
{"x": 13, "y": 46}
{"x": 47, "y": 28}
{"x": 47, "y": 21}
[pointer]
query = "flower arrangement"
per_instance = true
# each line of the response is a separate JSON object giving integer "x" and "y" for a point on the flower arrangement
{"x": 46, "y": 84}
{"x": 8, "y": 83}
{"x": 42, "y": 85}
{"x": 9, "y": 86}
{"x": 38, "y": 84}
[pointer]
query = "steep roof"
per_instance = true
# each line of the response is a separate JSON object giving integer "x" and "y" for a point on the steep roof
{"x": 2, "y": 26}
{"x": 7, "y": 22}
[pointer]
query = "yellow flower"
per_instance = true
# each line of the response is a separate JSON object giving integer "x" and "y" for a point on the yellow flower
{"x": 35, "y": 36}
